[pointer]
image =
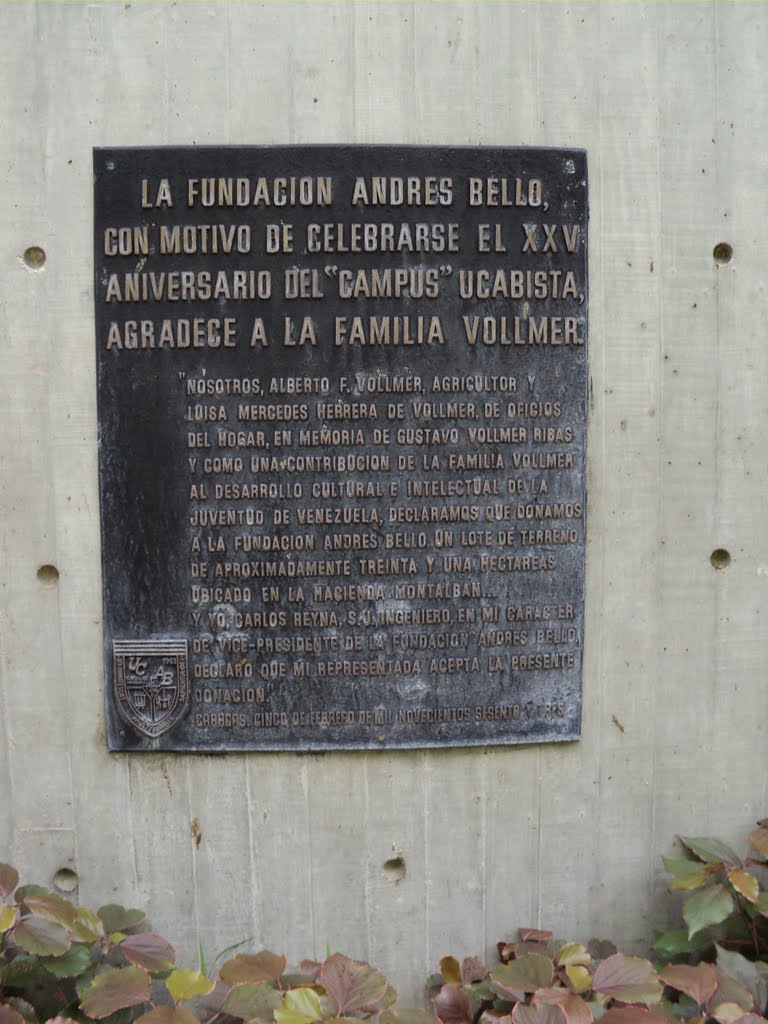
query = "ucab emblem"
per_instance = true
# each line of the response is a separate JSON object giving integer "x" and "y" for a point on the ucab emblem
{"x": 151, "y": 683}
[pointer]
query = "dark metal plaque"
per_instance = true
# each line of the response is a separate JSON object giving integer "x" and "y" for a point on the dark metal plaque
{"x": 342, "y": 431}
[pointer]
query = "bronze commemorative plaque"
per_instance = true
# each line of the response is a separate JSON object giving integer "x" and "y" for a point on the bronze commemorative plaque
{"x": 342, "y": 397}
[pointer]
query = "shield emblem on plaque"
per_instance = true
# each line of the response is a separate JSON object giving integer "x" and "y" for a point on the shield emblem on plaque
{"x": 151, "y": 683}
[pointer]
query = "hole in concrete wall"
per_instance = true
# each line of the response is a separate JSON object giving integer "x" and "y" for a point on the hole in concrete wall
{"x": 722, "y": 253}
{"x": 48, "y": 575}
{"x": 65, "y": 879}
{"x": 34, "y": 257}
{"x": 394, "y": 869}
{"x": 720, "y": 558}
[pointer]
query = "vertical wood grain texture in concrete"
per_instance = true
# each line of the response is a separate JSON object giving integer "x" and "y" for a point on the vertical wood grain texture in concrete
{"x": 671, "y": 102}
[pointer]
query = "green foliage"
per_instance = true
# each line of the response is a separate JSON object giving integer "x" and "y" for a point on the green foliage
{"x": 543, "y": 981}
{"x": 726, "y": 900}
{"x": 61, "y": 964}
{"x": 714, "y": 970}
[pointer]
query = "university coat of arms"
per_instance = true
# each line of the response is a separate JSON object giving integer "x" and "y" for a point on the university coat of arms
{"x": 151, "y": 683}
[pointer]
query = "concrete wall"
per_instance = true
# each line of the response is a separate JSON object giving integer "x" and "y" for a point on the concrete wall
{"x": 671, "y": 102}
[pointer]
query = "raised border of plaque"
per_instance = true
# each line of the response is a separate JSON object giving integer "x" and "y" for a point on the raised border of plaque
{"x": 342, "y": 403}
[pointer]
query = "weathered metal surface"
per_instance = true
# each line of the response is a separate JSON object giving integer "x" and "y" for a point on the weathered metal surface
{"x": 342, "y": 401}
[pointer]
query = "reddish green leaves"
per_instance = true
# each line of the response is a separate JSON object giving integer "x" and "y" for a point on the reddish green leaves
{"x": 152, "y": 952}
{"x": 7, "y": 1014}
{"x": 525, "y": 974}
{"x": 9, "y": 879}
{"x": 406, "y": 1017}
{"x": 168, "y": 1015}
{"x": 758, "y": 840}
{"x": 114, "y": 989}
{"x": 628, "y": 978}
{"x": 117, "y": 919}
{"x": 452, "y": 1005}
{"x": 41, "y": 937}
{"x": 52, "y": 908}
{"x": 541, "y": 1013}
{"x": 73, "y": 963}
{"x": 575, "y": 1008}
{"x": 252, "y": 1002}
{"x": 633, "y": 1015}
{"x": 350, "y": 984}
{"x": 473, "y": 969}
{"x": 697, "y": 982}
{"x": 263, "y": 966}
{"x": 299, "y": 1006}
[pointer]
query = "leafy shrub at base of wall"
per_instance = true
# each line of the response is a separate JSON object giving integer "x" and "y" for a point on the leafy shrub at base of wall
{"x": 61, "y": 963}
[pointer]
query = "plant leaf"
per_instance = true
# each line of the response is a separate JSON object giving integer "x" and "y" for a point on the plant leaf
{"x": 533, "y": 935}
{"x": 188, "y": 984}
{"x": 710, "y": 906}
{"x": 601, "y": 949}
{"x": 24, "y": 972}
{"x": 29, "y": 890}
{"x": 671, "y": 944}
{"x": 152, "y": 952}
{"x": 9, "y": 879}
{"x": 7, "y": 1014}
{"x": 525, "y": 974}
{"x": 730, "y": 991}
{"x": 76, "y": 960}
{"x": 452, "y": 1005}
{"x": 41, "y": 937}
{"x": 573, "y": 953}
{"x": 631, "y": 979}
{"x": 689, "y": 874}
{"x": 53, "y": 908}
{"x": 744, "y": 884}
{"x": 350, "y": 984}
{"x": 541, "y": 1013}
{"x": 697, "y": 982}
{"x": 575, "y": 1008}
{"x": 87, "y": 927}
{"x": 745, "y": 973}
{"x": 633, "y": 1015}
{"x": 710, "y": 850}
{"x": 407, "y": 1017}
{"x": 119, "y": 919}
{"x": 168, "y": 1015}
{"x": 115, "y": 989}
{"x": 473, "y": 969}
{"x": 728, "y": 1013}
{"x": 758, "y": 840}
{"x": 7, "y": 917}
{"x": 21, "y": 1006}
{"x": 126, "y": 1016}
{"x": 246, "y": 967}
{"x": 299, "y": 1006}
{"x": 252, "y": 1001}
{"x": 205, "y": 1008}
{"x": 450, "y": 970}
{"x": 579, "y": 977}
{"x": 750, "y": 1018}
